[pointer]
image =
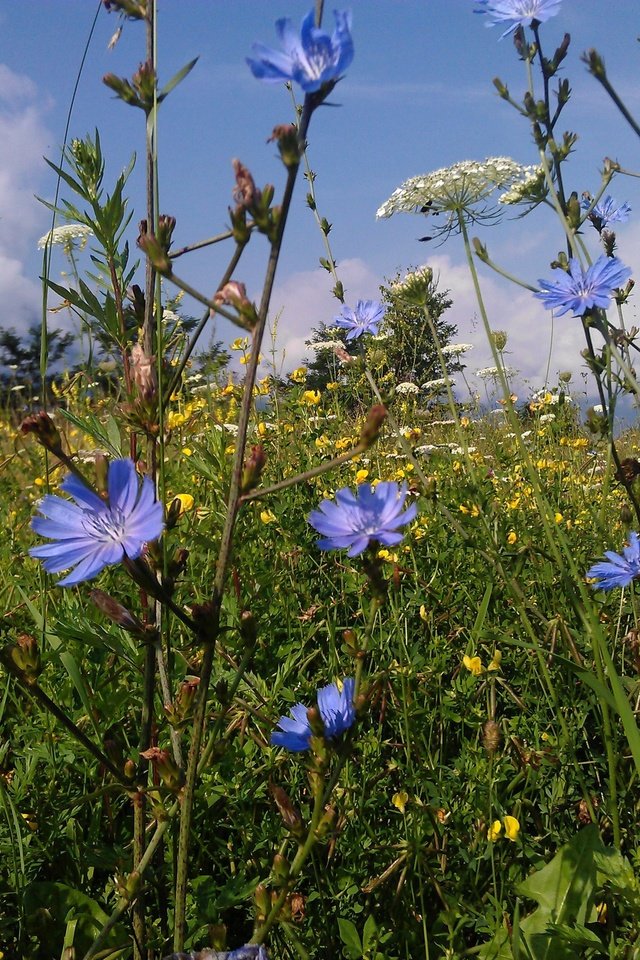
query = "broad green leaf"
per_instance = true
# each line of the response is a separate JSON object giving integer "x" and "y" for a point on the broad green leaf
{"x": 350, "y": 937}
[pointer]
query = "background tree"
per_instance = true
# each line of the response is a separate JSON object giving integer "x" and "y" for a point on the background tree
{"x": 405, "y": 351}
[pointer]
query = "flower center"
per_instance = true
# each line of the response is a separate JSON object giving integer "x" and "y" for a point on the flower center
{"x": 107, "y": 527}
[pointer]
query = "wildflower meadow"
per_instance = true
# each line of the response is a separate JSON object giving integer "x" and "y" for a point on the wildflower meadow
{"x": 338, "y": 661}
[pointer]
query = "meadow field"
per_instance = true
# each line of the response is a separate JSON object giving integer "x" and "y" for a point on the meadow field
{"x": 335, "y": 661}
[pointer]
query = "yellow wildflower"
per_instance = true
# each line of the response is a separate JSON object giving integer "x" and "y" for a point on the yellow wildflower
{"x": 40, "y": 481}
{"x": 186, "y": 502}
{"x": 558, "y": 517}
{"x": 361, "y": 476}
{"x": 494, "y": 831}
{"x": 473, "y": 665}
{"x": 423, "y": 613}
{"x": 512, "y": 537}
{"x": 187, "y": 451}
{"x": 311, "y": 397}
{"x": 400, "y": 800}
{"x": 267, "y": 516}
{"x": 299, "y": 375}
{"x": 496, "y": 661}
{"x": 511, "y": 828}
{"x": 240, "y": 343}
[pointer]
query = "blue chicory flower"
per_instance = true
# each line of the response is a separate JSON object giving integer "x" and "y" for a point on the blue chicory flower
{"x": 354, "y": 520}
{"x": 91, "y": 533}
{"x": 607, "y": 211}
{"x": 336, "y": 710}
{"x": 311, "y": 59}
{"x": 579, "y": 291}
{"x": 518, "y": 13}
{"x": 616, "y": 570}
{"x": 366, "y": 318}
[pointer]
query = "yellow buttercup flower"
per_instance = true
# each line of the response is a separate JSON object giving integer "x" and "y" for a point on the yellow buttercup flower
{"x": 311, "y": 397}
{"x": 186, "y": 502}
{"x": 512, "y": 537}
{"x": 496, "y": 661}
{"x": 494, "y": 831}
{"x": 361, "y": 476}
{"x": 299, "y": 375}
{"x": 473, "y": 665}
{"x": 511, "y": 828}
{"x": 267, "y": 516}
{"x": 400, "y": 800}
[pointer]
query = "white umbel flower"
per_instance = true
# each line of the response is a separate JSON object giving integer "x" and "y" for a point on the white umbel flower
{"x": 456, "y": 349}
{"x": 65, "y": 235}
{"x": 453, "y": 189}
{"x": 407, "y": 387}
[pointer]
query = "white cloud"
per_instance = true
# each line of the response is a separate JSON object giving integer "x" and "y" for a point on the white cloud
{"x": 24, "y": 139}
{"x": 304, "y": 301}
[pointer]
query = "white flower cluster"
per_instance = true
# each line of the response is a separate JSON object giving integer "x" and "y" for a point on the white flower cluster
{"x": 456, "y": 349}
{"x": 491, "y": 373}
{"x": 530, "y": 188}
{"x": 65, "y": 235}
{"x": 327, "y": 345}
{"x": 438, "y": 384}
{"x": 453, "y": 188}
{"x": 407, "y": 387}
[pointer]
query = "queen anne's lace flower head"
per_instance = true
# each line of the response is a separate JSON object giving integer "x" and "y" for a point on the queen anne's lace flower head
{"x": 407, "y": 387}
{"x": 454, "y": 190}
{"x": 531, "y": 188}
{"x": 456, "y": 349}
{"x": 66, "y": 235}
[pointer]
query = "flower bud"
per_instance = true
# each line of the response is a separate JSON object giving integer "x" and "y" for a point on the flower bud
{"x": 150, "y": 245}
{"x": 144, "y": 373}
{"x": 290, "y": 815}
{"x": 491, "y": 736}
{"x": 252, "y": 469}
{"x": 116, "y": 612}
{"x": 245, "y": 192}
{"x": 327, "y": 822}
{"x": 166, "y": 767}
{"x": 26, "y": 657}
{"x": 166, "y": 226}
{"x": 286, "y": 136}
{"x": 499, "y": 338}
{"x": 248, "y": 628}
{"x": 280, "y": 867}
{"x": 181, "y": 710}
{"x": 373, "y": 425}
{"x": 45, "y": 430}
{"x": 262, "y": 901}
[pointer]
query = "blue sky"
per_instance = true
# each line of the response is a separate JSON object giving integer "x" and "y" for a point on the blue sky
{"x": 417, "y": 96}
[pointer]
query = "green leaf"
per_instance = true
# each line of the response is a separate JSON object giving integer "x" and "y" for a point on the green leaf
{"x": 350, "y": 937}
{"x": 176, "y": 79}
{"x": 564, "y": 891}
{"x": 104, "y": 435}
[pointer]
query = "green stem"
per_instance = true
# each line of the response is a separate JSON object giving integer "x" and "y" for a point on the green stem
{"x": 224, "y": 555}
